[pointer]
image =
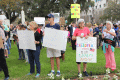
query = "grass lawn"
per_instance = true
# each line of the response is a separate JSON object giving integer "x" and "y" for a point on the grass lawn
{"x": 18, "y": 69}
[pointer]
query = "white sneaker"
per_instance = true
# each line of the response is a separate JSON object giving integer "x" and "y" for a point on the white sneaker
{"x": 50, "y": 73}
{"x": 79, "y": 75}
{"x": 107, "y": 71}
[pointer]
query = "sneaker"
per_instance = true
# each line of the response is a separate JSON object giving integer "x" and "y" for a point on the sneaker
{"x": 58, "y": 74}
{"x": 37, "y": 75}
{"x": 6, "y": 78}
{"x": 51, "y": 73}
{"x": 85, "y": 73}
{"x": 107, "y": 71}
{"x": 79, "y": 75}
{"x": 29, "y": 74}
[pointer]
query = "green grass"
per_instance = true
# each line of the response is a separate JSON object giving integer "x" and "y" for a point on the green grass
{"x": 18, "y": 69}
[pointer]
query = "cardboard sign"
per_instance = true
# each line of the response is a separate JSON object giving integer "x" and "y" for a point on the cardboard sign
{"x": 86, "y": 50}
{"x": 75, "y": 10}
{"x": 26, "y": 39}
{"x": 39, "y": 20}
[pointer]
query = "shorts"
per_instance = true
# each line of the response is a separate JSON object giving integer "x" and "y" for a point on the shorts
{"x": 5, "y": 45}
{"x": 80, "y": 62}
{"x": 53, "y": 53}
{"x": 62, "y": 52}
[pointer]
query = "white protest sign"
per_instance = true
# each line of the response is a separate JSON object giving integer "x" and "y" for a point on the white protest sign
{"x": 86, "y": 50}
{"x": 7, "y": 22}
{"x": 39, "y": 20}
{"x": 56, "y": 17}
{"x": 56, "y": 39}
{"x": 2, "y": 17}
{"x": 26, "y": 39}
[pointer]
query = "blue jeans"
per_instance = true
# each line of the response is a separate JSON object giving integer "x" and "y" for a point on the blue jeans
{"x": 34, "y": 56}
{"x": 9, "y": 43}
{"x": 8, "y": 48}
{"x": 21, "y": 52}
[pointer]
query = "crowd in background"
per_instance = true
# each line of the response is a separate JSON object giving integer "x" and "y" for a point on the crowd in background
{"x": 94, "y": 30}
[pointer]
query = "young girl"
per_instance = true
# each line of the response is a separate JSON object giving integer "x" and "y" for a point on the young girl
{"x": 108, "y": 49}
{"x": 35, "y": 54}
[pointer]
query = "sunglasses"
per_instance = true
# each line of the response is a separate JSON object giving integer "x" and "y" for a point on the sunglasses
{"x": 49, "y": 17}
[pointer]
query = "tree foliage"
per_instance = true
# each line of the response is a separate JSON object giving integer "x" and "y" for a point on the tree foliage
{"x": 112, "y": 11}
{"x": 10, "y": 6}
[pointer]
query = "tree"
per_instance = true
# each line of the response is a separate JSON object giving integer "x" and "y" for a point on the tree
{"x": 112, "y": 12}
{"x": 10, "y": 7}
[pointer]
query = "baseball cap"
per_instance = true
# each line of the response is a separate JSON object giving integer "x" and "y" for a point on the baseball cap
{"x": 50, "y": 16}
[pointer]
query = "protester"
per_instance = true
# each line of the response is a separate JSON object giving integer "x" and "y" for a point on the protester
{"x": 119, "y": 35}
{"x": 3, "y": 64}
{"x": 81, "y": 32}
{"x": 96, "y": 34}
{"x": 89, "y": 25}
{"x": 15, "y": 36}
{"x": 51, "y": 53}
{"x": 35, "y": 54}
{"x": 62, "y": 52}
{"x": 5, "y": 44}
{"x": 108, "y": 49}
{"x": 116, "y": 31}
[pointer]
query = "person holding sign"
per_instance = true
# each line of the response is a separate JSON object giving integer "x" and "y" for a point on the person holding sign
{"x": 3, "y": 63}
{"x": 35, "y": 54}
{"x": 51, "y": 53}
{"x": 81, "y": 32}
{"x": 108, "y": 49}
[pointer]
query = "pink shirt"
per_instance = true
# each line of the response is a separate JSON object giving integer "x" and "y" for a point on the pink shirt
{"x": 85, "y": 31}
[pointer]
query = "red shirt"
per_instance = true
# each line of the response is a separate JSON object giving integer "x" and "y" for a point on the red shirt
{"x": 85, "y": 31}
{"x": 38, "y": 30}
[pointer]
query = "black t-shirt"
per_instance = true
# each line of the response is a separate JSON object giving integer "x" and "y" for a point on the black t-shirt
{"x": 37, "y": 38}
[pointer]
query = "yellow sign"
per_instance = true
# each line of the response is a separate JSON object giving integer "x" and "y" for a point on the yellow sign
{"x": 75, "y": 10}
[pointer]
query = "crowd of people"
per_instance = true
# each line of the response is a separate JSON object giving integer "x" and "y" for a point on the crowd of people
{"x": 78, "y": 29}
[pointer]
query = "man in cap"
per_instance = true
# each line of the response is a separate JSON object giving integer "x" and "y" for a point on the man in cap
{"x": 51, "y": 53}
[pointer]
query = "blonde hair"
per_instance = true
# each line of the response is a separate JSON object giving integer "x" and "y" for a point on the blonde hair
{"x": 88, "y": 25}
{"x": 33, "y": 23}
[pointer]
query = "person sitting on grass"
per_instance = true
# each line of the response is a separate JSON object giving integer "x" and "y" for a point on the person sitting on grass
{"x": 108, "y": 49}
{"x": 81, "y": 32}
{"x": 35, "y": 54}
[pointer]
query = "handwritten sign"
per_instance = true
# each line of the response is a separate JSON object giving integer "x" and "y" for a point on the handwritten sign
{"x": 56, "y": 39}
{"x": 75, "y": 10}
{"x": 86, "y": 50}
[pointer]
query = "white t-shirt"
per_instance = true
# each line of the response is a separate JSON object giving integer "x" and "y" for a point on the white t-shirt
{"x": 107, "y": 35}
